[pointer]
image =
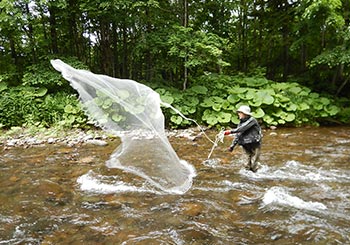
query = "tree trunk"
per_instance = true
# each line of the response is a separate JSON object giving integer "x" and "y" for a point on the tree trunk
{"x": 148, "y": 57}
{"x": 125, "y": 71}
{"x": 105, "y": 47}
{"x": 53, "y": 32}
{"x": 185, "y": 24}
{"x": 29, "y": 32}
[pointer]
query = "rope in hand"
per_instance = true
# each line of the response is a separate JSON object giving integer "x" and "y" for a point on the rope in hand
{"x": 186, "y": 118}
{"x": 218, "y": 138}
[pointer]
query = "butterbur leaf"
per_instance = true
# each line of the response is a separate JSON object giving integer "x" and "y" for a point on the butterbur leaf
{"x": 332, "y": 110}
{"x": 258, "y": 113}
{"x": 295, "y": 90}
{"x": 291, "y": 107}
{"x": 216, "y": 107}
{"x": 303, "y": 106}
{"x": 123, "y": 94}
{"x": 3, "y": 86}
{"x": 266, "y": 96}
{"x": 199, "y": 89}
{"x": 251, "y": 94}
{"x": 70, "y": 109}
{"x": 233, "y": 98}
{"x": 224, "y": 117}
{"x": 41, "y": 92}
{"x": 289, "y": 117}
{"x": 234, "y": 119}
{"x": 117, "y": 117}
{"x": 255, "y": 103}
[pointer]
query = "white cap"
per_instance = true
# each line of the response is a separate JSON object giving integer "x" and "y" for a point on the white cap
{"x": 245, "y": 110}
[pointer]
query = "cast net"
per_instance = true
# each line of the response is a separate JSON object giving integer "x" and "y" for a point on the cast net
{"x": 131, "y": 111}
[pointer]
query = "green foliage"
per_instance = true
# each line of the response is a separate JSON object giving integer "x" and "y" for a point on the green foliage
{"x": 62, "y": 109}
{"x": 201, "y": 50}
{"x": 213, "y": 100}
{"x": 332, "y": 58}
{"x": 42, "y": 74}
{"x": 25, "y": 106}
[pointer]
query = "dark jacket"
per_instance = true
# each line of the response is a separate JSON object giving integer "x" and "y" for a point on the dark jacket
{"x": 248, "y": 131}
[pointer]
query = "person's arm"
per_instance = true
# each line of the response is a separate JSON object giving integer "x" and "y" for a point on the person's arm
{"x": 233, "y": 144}
{"x": 244, "y": 126}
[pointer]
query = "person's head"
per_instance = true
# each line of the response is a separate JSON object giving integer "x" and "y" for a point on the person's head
{"x": 244, "y": 111}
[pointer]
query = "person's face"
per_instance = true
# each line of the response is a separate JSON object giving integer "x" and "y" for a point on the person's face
{"x": 241, "y": 115}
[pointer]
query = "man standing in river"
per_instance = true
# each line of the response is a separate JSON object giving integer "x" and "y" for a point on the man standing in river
{"x": 248, "y": 135}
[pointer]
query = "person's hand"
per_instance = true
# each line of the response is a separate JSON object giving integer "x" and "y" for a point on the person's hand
{"x": 227, "y": 132}
{"x": 230, "y": 149}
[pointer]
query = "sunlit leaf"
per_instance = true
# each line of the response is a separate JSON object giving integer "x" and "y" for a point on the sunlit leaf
{"x": 258, "y": 113}
{"x": 123, "y": 94}
{"x": 224, "y": 117}
{"x": 117, "y": 117}
{"x": 199, "y": 89}
{"x": 233, "y": 98}
{"x": 41, "y": 92}
{"x": 176, "y": 119}
{"x": 266, "y": 96}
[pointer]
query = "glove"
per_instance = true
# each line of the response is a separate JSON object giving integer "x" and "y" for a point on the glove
{"x": 232, "y": 146}
{"x": 227, "y": 132}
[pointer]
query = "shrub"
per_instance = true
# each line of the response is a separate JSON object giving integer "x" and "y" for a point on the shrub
{"x": 24, "y": 106}
{"x": 213, "y": 100}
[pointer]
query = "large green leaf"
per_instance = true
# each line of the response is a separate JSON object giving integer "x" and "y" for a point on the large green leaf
{"x": 291, "y": 106}
{"x": 176, "y": 119}
{"x": 269, "y": 120}
{"x": 237, "y": 90}
{"x": 213, "y": 101}
{"x": 235, "y": 119}
{"x": 167, "y": 98}
{"x": 303, "y": 106}
{"x": 265, "y": 96}
{"x": 332, "y": 110}
{"x": 210, "y": 117}
{"x": 198, "y": 89}
{"x": 107, "y": 103}
{"x": 224, "y": 117}
{"x": 250, "y": 94}
{"x": 258, "y": 113}
{"x": 3, "y": 86}
{"x": 295, "y": 90}
{"x": 41, "y": 92}
{"x": 123, "y": 94}
{"x": 227, "y": 106}
{"x": 117, "y": 118}
{"x": 233, "y": 98}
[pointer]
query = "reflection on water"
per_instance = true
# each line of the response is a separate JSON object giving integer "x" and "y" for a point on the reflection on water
{"x": 52, "y": 194}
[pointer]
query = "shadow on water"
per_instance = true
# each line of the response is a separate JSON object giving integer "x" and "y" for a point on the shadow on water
{"x": 55, "y": 194}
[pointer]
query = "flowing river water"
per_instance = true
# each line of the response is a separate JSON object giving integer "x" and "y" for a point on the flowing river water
{"x": 59, "y": 194}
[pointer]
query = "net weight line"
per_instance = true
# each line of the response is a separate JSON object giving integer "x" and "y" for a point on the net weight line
{"x": 218, "y": 138}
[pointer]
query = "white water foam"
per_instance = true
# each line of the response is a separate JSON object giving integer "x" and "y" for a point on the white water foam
{"x": 94, "y": 183}
{"x": 294, "y": 170}
{"x": 99, "y": 184}
{"x": 280, "y": 196}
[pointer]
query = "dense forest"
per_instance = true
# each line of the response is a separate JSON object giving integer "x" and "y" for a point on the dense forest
{"x": 303, "y": 46}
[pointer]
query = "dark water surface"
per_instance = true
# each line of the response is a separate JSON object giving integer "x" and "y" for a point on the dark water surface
{"x": 55, "y": 194}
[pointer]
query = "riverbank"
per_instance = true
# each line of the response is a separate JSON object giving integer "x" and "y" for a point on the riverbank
{"x": 28, "y": 137}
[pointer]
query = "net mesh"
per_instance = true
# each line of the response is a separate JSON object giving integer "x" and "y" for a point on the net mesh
{"x": 131, "y": 111}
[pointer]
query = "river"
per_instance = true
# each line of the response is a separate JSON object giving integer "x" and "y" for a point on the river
{"x": 59, "y": 194}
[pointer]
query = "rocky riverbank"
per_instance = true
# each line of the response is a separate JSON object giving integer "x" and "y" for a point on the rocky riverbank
{"x": 28, "y": 137}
